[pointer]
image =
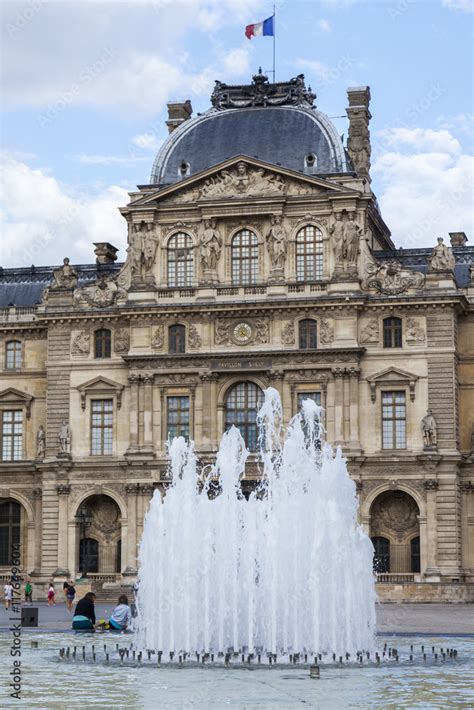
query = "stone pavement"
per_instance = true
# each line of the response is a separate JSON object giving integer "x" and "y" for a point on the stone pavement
{"x": 396, "y": 618}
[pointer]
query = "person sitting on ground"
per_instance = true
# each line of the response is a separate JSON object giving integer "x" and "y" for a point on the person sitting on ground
{"x": 28, "y": 593}
{"x": 121, "y": 615}
{"x": 84, "y": 614}
{"x": 70, "y": 594}
{"x": 51, "y": 595}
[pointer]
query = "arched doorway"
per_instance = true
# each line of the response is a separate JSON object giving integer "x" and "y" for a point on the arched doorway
{"x": 99, "y": 529}
{"x": 395, "y": 533}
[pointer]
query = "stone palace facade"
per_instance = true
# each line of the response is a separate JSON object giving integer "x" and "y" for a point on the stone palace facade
{"x": 257, "y": 256}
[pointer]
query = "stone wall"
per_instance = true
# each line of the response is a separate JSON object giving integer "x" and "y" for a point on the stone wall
{"x": 425, "y": 592}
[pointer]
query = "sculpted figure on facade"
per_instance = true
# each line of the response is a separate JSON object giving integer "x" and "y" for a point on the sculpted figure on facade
{"x": 64, "y": 277}
{"x": 40, "y": 443}
{"x": 359, "y": 146}
{"x": 194, "y": 339}
{"x": 428, "y": 426}
{"x": 122, "y": 340}
{"x": 210, "y": 247}
{"x": 326, "y": 330}
{"x": 242, "y": 181}
{"x": 142, "y": 246}
{"x": 441, "y": 258}
{"x": 158, "y": 338}
{"x": 346, "y": 234}
{"x": 389, "y": 278}
{"x": 64, "y": 439}
{"x": 276, "y": 245}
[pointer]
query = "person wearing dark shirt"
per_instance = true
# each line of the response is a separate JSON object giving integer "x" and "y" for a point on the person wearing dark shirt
{"x": 84, "y": 614}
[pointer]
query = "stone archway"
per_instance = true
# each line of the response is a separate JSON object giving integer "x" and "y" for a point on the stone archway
{"x": 15, "y": 521}
{"x": 101, "y": 535}
{"x": 395, "y": 530}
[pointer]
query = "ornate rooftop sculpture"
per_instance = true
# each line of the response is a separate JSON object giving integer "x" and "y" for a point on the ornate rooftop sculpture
{"x": 262, "y": 93}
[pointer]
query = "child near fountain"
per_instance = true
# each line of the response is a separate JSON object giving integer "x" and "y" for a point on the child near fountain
{"x": 121, "y": 615}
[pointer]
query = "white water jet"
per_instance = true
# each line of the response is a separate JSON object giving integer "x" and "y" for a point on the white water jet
{"x": 287, "y": 571}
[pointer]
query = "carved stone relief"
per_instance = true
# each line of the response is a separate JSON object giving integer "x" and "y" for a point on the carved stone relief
{"x": 81, "y": 343}
{"x": 370, "y": 332}
{"x": 227, "y": 331}
{"x": 441, "y": 258}
{"x": 158, "y": 338}
{"x": 395, "y": 512}
{"x": 288, "y": 333}
{"x": 103, "y": 293}
{"x": 194, "y": 339}
{"x": 326, "y": 331}
{"x": 389, "y": 278}
{"x": 122, "y": 340}
{"x": 414, "y": 332}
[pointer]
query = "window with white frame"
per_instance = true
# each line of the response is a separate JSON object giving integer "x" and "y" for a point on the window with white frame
{"x": 394, "y": 420}
{"x": 102, "y": 421}
{"x": 180, "y": 260}
{"x": 13, "y": 355}
{"x": 244, "y": 257}
{"x": 12, "y": 435}
{"x": 309, "y": 254}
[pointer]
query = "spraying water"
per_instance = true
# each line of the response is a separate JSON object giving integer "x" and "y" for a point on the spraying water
{"x": 287, "y": 571}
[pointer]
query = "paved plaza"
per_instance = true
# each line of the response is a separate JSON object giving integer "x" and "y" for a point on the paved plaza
{"x": 391, "y": 618}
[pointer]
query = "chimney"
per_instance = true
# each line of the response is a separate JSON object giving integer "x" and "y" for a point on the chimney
{"x": 458, "y": 239}
{"x": 178, "y": 112}
{"x": 105, "y": 253}
{"x": 358, "y": 142}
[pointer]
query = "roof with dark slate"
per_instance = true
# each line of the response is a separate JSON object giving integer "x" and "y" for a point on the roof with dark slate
{"x": 276, "y": 123}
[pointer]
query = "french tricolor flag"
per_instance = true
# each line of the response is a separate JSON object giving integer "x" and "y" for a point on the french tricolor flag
{"x": 261, "y": 29}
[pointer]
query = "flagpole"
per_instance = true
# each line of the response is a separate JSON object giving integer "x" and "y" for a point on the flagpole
{"x": 274, "y": 33}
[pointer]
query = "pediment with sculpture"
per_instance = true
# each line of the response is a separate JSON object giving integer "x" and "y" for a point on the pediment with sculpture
{"x": 242, "y": 177}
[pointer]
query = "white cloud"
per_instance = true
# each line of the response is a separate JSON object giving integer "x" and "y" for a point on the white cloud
{"x": 146, "y": 141}
{"x": 426, "y": 187}
{"x": 324, "y": 25}
{"x": 421, "y": 139}
{"x": 461, "y": 123}
{"x": 102, "y": 66}
{"x": 459, "y": 5}
{"x": 44, "y": 221}
{"x": 97, "y": 159}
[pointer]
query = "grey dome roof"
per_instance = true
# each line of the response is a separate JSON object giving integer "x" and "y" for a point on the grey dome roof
{"x": 278, "y": 134}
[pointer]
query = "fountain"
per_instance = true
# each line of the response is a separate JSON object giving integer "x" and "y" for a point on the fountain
{"x": 284, "y": 574}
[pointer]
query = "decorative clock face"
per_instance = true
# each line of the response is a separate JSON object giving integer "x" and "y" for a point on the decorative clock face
{"x": 242, "y": 332}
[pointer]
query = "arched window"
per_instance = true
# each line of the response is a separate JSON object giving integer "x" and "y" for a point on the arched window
{"x": 180, "y": 260}
{"x": 13, "y": 354}
{"x": 242, "y": 403}
{"x": 245, "y": 257}
{"x": 102, "y": 343}
{"x": 381, "y": 554}
{"x": 307, "y": 330}
{"x": 10, "y": 518}
{"x": 392, "y": 333}
{"x": 88, "y": 555}
{"x": 177, "y": 338}
{"x": 415, "y": 554}
{"x": 309, "y": 254}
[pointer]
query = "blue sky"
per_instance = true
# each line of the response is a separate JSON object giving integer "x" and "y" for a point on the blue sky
{"x": 85, "y": 85}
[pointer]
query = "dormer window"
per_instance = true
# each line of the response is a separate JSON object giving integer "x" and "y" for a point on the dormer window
{"x": 310, "y": 161}
{"x": 184, "y": 169}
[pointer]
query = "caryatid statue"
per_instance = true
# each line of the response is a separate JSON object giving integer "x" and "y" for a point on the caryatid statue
{"x": 442, "y": 257}
{"x": 210, "y": 246}
{"x": 346, "y": 235}
{"x": 40, "y": 443}
{"x": 276, "y": 244}
{"x": 141, "y": 251}
{"x": 428, "y": 427}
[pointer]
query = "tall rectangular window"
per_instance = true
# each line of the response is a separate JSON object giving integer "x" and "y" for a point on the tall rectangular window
{"x": 394, "y": 422}
{"x": 102, "y": 423}
{"x": 12, "y": 435}
{"x": 13, "y": 355}
{"x": 178, "y": 417}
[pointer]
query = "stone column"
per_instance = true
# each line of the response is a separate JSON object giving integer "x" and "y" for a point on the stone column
{"x": 358, "y": 141}
{"x": 72, "y": 548}
{"x": 132, "y": 490}
{"x": 148, "y": 411}
{"x": 338, "y": 374}
{"x": 354, "y": 374}
{"x": 63, "y": 491}
{"x": 134, "y": 382}
{"x": 36, "y": 535}
{"x": 431, "y": 572}
{"x": 209, "y": 409}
